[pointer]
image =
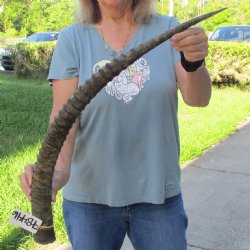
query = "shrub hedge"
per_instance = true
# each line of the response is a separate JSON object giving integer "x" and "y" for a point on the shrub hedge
{"x": 228, "y": 62}
{"x": 32, "y": 60}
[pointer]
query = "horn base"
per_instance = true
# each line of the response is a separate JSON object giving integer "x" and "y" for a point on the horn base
{"x": 45, "y": 235}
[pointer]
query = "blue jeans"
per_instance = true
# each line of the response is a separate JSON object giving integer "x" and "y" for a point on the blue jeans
{"x": 149, "y": 226}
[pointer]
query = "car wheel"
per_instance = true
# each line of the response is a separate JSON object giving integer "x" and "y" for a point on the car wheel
{"x": 8, "y": 68}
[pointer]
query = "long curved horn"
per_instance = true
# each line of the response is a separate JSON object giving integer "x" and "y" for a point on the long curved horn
{"x": 58, "y": 130}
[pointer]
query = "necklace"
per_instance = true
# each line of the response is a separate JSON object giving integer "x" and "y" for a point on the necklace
{"x": 109, "y": 50}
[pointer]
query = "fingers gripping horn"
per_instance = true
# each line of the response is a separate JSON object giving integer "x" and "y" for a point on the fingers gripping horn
{"x": 59, "y": 129}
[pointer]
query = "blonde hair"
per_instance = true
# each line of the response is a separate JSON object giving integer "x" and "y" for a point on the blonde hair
{"x": 89, "y": 11}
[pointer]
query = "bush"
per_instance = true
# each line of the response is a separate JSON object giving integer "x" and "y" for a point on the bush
{"x": 229, "y": 63}
{"x": 32, "y": 60}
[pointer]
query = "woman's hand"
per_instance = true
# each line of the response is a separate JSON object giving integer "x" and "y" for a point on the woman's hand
{"x": 195, "y": 86}
{"x": 26, "y": 180}
{"x": 192, "y": 42}
{"x": 60, "y": 178}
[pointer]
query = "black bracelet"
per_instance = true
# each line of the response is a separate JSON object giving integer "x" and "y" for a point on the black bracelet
{"x": 190, "y": 66}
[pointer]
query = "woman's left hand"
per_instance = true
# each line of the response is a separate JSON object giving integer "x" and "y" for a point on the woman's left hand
{"x": 193, "y": 42}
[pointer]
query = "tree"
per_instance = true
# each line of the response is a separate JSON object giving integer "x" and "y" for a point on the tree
{"x": 236, "y": 13}
{"x": 24, "y": 17}
{"x": 28, "y": 16}
{"x": 171, "y": 7}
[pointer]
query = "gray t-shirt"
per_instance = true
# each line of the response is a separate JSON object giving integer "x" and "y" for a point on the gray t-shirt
{"x": 127, "y": 146}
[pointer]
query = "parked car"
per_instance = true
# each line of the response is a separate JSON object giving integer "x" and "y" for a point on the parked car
{"x": 7, "y": 61}
{"x": 234, "y": 33}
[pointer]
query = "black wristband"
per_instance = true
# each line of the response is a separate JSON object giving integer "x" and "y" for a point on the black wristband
{"x": 190, "y": 66}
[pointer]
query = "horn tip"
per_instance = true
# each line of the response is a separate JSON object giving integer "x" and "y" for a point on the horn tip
{"x": 220, "y": 10}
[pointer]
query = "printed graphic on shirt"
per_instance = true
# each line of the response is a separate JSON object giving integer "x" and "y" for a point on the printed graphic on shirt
{"x": 129, "y": 82}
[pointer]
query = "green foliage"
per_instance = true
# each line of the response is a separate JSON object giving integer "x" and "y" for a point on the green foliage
{"x": 184, "y": 10}
{"x": 12, "y": 16}
{"x": 162, "y": 8}
{"x": 32, "y": 60}
{"x": 51, "y": 16}
{"x": 229, "y": 63}
{"x": 222, "y": 19}
{"x": 22, "y": 18}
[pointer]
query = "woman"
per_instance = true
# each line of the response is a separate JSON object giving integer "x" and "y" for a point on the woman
{"x": 120, "y": 163}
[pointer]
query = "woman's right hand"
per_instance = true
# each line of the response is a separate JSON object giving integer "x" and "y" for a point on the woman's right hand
{"x": 60, "y": 178}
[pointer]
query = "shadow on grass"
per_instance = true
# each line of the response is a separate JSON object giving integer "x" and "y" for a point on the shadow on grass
{"x": 15, "y": 239}
{"x": 24, "y": 113}
{"x": 25, "y": 106}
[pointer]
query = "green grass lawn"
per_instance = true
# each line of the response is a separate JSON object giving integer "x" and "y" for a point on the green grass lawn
{"x": 24, "y": 110}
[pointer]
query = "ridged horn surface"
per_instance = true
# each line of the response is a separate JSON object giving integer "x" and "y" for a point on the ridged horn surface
{"x": 59, "y": 129}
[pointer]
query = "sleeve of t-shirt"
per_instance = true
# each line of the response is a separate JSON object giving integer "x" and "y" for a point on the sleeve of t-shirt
{"x": 176, "y": 55}
{"x": 64, "y": 61}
